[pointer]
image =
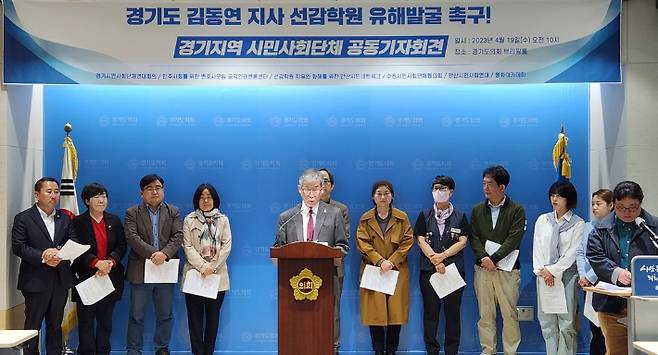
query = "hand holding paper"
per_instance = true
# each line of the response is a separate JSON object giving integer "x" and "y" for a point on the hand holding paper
{"x": 447, "y": 283}
{"x": 196, "y": 284}
{"x": 167, "y": 272}
{"x": 506, "y": 263}
{"x": 374, "y": 279}
{"x": 94, "y": 289}
{"x": 72, "y": 250}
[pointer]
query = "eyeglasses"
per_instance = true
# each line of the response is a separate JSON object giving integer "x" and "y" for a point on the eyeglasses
{"x": 440, "y": 188}
{"x": 311, "y": 191}
{"x": 631, "y": 209}
{"x": 153, "y": 189}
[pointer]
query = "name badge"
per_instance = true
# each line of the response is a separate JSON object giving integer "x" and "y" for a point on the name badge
{"x": 455, "y": 230}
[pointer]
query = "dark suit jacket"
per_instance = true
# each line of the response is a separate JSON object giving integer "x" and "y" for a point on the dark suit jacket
{"x": 29, "y": 238}
{"x": 137, "y": 226}
{"x": 329, "y": 227}
{"x": 116, "y": 248}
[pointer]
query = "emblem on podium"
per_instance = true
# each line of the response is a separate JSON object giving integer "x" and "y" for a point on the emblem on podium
{"x": 305, "y": 285}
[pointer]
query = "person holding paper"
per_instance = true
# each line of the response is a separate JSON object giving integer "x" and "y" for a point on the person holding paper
{"x": 441, "y": 232}
{"x": 557, "y": 236}
{"x": 613, "y": 243}
{"x": 384, "y": 238}
{"x": 498, "y": 219}
{"x": 207, "y": 244}
{"x": 153, "y": 231}
{"x": 328, "y": 187}
{"x": 104, "y": 233}
{"x": 43, "y": 278}
{"x": 601, "y": 207}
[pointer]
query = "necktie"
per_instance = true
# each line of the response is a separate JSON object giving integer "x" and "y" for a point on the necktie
{"x": 309, "y": 226}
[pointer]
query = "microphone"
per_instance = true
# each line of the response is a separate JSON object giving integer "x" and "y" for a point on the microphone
{"x": 284, "y": 224}
{"x": 643, "y": 224}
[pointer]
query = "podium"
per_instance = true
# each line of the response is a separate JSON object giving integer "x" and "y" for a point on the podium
{"x": 306, "y": 297}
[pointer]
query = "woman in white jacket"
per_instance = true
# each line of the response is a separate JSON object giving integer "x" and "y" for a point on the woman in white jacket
{"x": 207, "y": 244}
{"x": 557, "y": 236}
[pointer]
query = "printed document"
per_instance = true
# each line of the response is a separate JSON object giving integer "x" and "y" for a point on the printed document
{"x": 195, "y": 284}
{"x": 445, "y": 284}
{"x": 94, "y": 289}
{"x": 165, "y": 273}
{"x": 506, "y": 263}
{"x": 374, "y": 279}
{"x": 72, "y": 250}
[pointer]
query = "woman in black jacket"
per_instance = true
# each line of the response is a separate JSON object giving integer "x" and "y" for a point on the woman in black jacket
{"x": 103, "y": 232}
{"x": 441, "y": 231}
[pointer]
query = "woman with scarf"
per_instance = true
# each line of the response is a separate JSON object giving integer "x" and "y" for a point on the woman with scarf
{"x": 207, "y": 244}
{"x": 556, "y": 239}
{"x": 441, "y": 232}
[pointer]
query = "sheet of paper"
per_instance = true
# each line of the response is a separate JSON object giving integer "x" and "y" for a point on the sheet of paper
{"x": 374, "y": 279}
{"x": 612, "y": 288}
{"x": 506, "y": 263}
{"x": 195, "y": 284}
{"x": 589, "y": 311}
{"x": 165, "y": 273}
{"x": 445, "y": 284}
{"x": 94, "y": 289}
{"x": 72, "y": 250}
{"x": 553, "y": 300}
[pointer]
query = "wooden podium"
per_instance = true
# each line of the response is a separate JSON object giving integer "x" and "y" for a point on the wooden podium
{"x": 306, "y": 297}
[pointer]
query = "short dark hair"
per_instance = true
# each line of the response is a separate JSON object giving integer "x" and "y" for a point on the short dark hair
{"x": 92, "y": 190}
{"x": 385, "y": 183}
{"x": 604, "y": 194}
{"x": 147, "y": 179}
{"x": 564, "y": 188}
{"x": 444, "y": 180}
{"x": 498, "y": 173}
{"x": 628, "y": 189}
{"x": 37, "y": 185}
{"x": 199, "y": 191}
{"x": 331, "y": 176}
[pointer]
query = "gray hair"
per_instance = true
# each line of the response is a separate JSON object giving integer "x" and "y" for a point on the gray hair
{"x": 311, "y": 175}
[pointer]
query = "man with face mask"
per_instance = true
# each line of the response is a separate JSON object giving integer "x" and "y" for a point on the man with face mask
{"x": 441, "y": 232}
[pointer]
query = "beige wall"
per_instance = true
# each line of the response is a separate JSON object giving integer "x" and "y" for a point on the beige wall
{"x": 624, "y": 118}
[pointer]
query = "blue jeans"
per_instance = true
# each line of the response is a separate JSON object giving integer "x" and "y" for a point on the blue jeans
{"x": 163, "y": 295}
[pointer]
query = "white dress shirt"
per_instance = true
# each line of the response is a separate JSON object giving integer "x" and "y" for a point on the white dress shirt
{"x": 49, "y": 221}
{"x": 569, "y": 242}
{"x": 495, "y": 210}
{"x": 304, "y": 212}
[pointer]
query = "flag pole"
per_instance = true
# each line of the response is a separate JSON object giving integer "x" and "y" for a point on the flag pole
{"x": 70, "y": 205}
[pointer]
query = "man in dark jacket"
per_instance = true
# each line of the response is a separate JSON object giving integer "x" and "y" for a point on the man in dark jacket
{"x": 612, "y": 244}
{"x": 44, "y": 279}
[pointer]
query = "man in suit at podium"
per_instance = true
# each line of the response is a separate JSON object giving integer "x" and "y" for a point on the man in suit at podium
{"x": 44, "y": 279}
{"x": 312, "y": 220}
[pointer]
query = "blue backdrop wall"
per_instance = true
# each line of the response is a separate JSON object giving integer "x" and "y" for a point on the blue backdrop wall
{"x": 252, "y": 143}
